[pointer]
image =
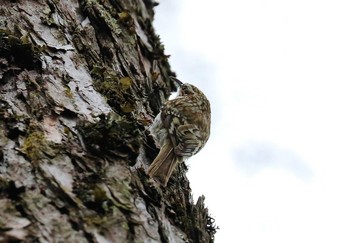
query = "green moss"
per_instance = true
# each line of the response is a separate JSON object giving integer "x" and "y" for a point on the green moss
{"x": 18, "y": 49}
{"x": 115, "y": 88}
{"x": 68, "y": 92}
{"x": 33, "y": 145}
{"x": 113, "y": 133}
{"x": 100, "y": 193}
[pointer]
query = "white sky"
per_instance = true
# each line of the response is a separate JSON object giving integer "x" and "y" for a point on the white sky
{"x": 277, "y": 73}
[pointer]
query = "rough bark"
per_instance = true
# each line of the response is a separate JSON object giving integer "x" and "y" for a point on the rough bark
{"x": 80, "y": 81}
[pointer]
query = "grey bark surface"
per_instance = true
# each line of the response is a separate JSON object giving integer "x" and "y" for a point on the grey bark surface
{"x": 80, "y": 81}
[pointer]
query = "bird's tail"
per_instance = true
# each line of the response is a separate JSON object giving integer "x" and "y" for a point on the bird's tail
{"x": 164, "y": 164}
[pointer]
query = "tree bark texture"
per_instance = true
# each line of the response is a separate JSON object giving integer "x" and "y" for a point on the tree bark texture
{"x": 80, "y": 81}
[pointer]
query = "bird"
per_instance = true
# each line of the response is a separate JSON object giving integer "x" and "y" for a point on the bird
{"x": 180, "y": 130}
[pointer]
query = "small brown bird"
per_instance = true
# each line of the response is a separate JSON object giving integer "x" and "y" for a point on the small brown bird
{"x": 180, "y": 130}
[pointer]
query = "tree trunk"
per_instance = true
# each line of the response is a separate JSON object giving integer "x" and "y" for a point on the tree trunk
{"x": 80, "y": 81}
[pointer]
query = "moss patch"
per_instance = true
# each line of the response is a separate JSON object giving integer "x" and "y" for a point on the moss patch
{"x": 113, "y": 133}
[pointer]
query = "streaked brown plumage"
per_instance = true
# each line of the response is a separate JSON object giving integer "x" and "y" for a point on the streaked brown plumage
{"x": 180, "y": 130}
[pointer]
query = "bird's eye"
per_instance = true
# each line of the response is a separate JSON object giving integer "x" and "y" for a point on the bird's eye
{"x": 186, "y": 88}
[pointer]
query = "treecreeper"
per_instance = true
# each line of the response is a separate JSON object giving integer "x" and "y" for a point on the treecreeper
{"x": 180, "y": 130}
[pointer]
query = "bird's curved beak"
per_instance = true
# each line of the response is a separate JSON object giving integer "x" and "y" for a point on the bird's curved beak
{"x": 176, "y": 81}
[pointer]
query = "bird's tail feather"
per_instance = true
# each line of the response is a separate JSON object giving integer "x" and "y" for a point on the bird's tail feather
{"x": 164, "y": 164}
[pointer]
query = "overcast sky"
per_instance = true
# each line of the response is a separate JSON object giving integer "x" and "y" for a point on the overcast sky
{"x": 276, "y": 168}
